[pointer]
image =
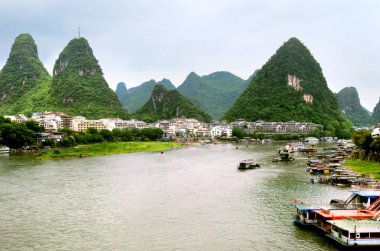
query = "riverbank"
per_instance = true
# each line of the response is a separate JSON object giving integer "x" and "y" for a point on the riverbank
{"x": 365, "y": 167}
{"x": 106, "y": 148}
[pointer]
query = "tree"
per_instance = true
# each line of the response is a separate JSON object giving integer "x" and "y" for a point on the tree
{"x": 34, "y": 126}
{"x": 15, "y": 135}
{"x": 238, "y": 132}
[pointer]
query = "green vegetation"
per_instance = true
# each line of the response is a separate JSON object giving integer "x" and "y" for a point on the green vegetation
{"x": 121, "y": 92}
{"x": 17, "y": 135}
{"x": 165, "y": 104}
{"x": 107, "y": 148}
{"x": 268, "y": 96}
{"x": 78, "y": 86}
{"x": 24, "y": 82}
{"x": 365, "y": 167}
{"x": 134, "y": 98}
{"x": 214, "y": 93}
{"x": 376, "y": 113}
{"x": 349, "y": 104}
{"x": 368, "y": 147}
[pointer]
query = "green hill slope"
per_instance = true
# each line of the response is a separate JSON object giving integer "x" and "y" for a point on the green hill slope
{"x": 78, "y": 86}
{"x": 349, "y": 103}
{"x": 291, "y": 86}
{"x": 168, "y": 104}
{"x": 24, "y": 81}
{"x": 137, "y": 96}
{"x": 214, "y": 93}
{"x": 121, "y": 93}
{"x": 376, "y": 113}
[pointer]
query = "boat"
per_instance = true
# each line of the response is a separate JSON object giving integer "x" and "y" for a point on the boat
{"x": 311, "y": 140}
{"x": 358, "y": 234}
{"x": 4, "y": 149}
{"x": 248, "y": 164}
{"x": 359, "y": 205}
{"x": 285, "y": 154}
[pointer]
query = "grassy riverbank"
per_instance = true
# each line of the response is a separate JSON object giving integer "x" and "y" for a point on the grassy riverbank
{"x": 107, "y": 149}
{"x": 365, "y": 167}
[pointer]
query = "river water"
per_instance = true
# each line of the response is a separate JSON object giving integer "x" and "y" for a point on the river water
{"x": 193, "y": 198}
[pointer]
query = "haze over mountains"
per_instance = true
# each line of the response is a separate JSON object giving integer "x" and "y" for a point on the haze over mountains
{"x": 290, "y": 86}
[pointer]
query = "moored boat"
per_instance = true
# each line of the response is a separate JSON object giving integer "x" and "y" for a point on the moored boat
{"x": 311, "y": 140}
{"x": 285, "y": 154}
{"x": 248, "y": 164}
{"x": 359, "y": 205}
{"x": 363, "y": 234}
{"x": 4, "y": 149}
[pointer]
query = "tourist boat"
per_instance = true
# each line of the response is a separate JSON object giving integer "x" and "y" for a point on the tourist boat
{"x": 4, "y": 149}
{"x": 363, "y": 234}
{"x": 311, "y": 140}
{"x": 285, "y": 154}
{"x": 248, "y": 164}
{"x": 359, "y": 205}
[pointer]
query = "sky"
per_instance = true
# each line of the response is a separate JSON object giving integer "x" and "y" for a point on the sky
{"x": 138, "y": 40}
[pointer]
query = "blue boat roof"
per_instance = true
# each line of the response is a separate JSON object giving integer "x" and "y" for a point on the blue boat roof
{"x": 367, "y": 193}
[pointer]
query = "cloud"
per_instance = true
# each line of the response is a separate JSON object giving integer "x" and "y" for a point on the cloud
{"x": 135, "y": 41}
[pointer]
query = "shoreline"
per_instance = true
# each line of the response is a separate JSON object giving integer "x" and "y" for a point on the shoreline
{"x": 106, "y": 148}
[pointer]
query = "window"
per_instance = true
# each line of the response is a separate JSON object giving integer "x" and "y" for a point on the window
{"x": 345, "y": 233}
{"x": 364, "y": 235}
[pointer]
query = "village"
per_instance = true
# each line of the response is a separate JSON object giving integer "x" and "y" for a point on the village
{"x": 53, "y": 122}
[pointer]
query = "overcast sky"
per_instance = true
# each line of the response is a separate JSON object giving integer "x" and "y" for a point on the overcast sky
{"x": 139, "y": 40}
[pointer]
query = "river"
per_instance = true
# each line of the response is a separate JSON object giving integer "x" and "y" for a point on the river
{"x": 192, "y": 198}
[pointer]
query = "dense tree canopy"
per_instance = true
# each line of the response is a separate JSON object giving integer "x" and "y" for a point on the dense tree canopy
{"x": 15, "y": 135}
{"x": 364, "y": 141}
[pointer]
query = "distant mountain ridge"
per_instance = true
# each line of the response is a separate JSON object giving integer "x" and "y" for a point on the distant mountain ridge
{"x": 214, "y": 93}
{"x": 135, "y": 97}
{"x": 168, "y": 104}
{"x": 349, "y": 103}
{"x": 291, "y": 86}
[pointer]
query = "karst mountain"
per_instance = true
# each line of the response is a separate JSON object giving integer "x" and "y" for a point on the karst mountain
{"x": 291, "y": 87}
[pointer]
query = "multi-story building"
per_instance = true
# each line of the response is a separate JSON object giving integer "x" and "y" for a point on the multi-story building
{"x": 262, "y": 126}
{"x": 121, "y": 124}
{"x": 20, "y": 118}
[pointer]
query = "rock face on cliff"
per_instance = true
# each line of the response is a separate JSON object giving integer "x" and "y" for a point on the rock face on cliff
{"x": 349, "y": 103}
{"x": 168, "y": 104}
{"x": 291, "y": 86}
{"x": 78, "y": 86}
{"x": 24, "y": 81}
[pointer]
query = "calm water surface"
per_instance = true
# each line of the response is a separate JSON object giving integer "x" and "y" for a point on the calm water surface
{"x": 188, "y": 199}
